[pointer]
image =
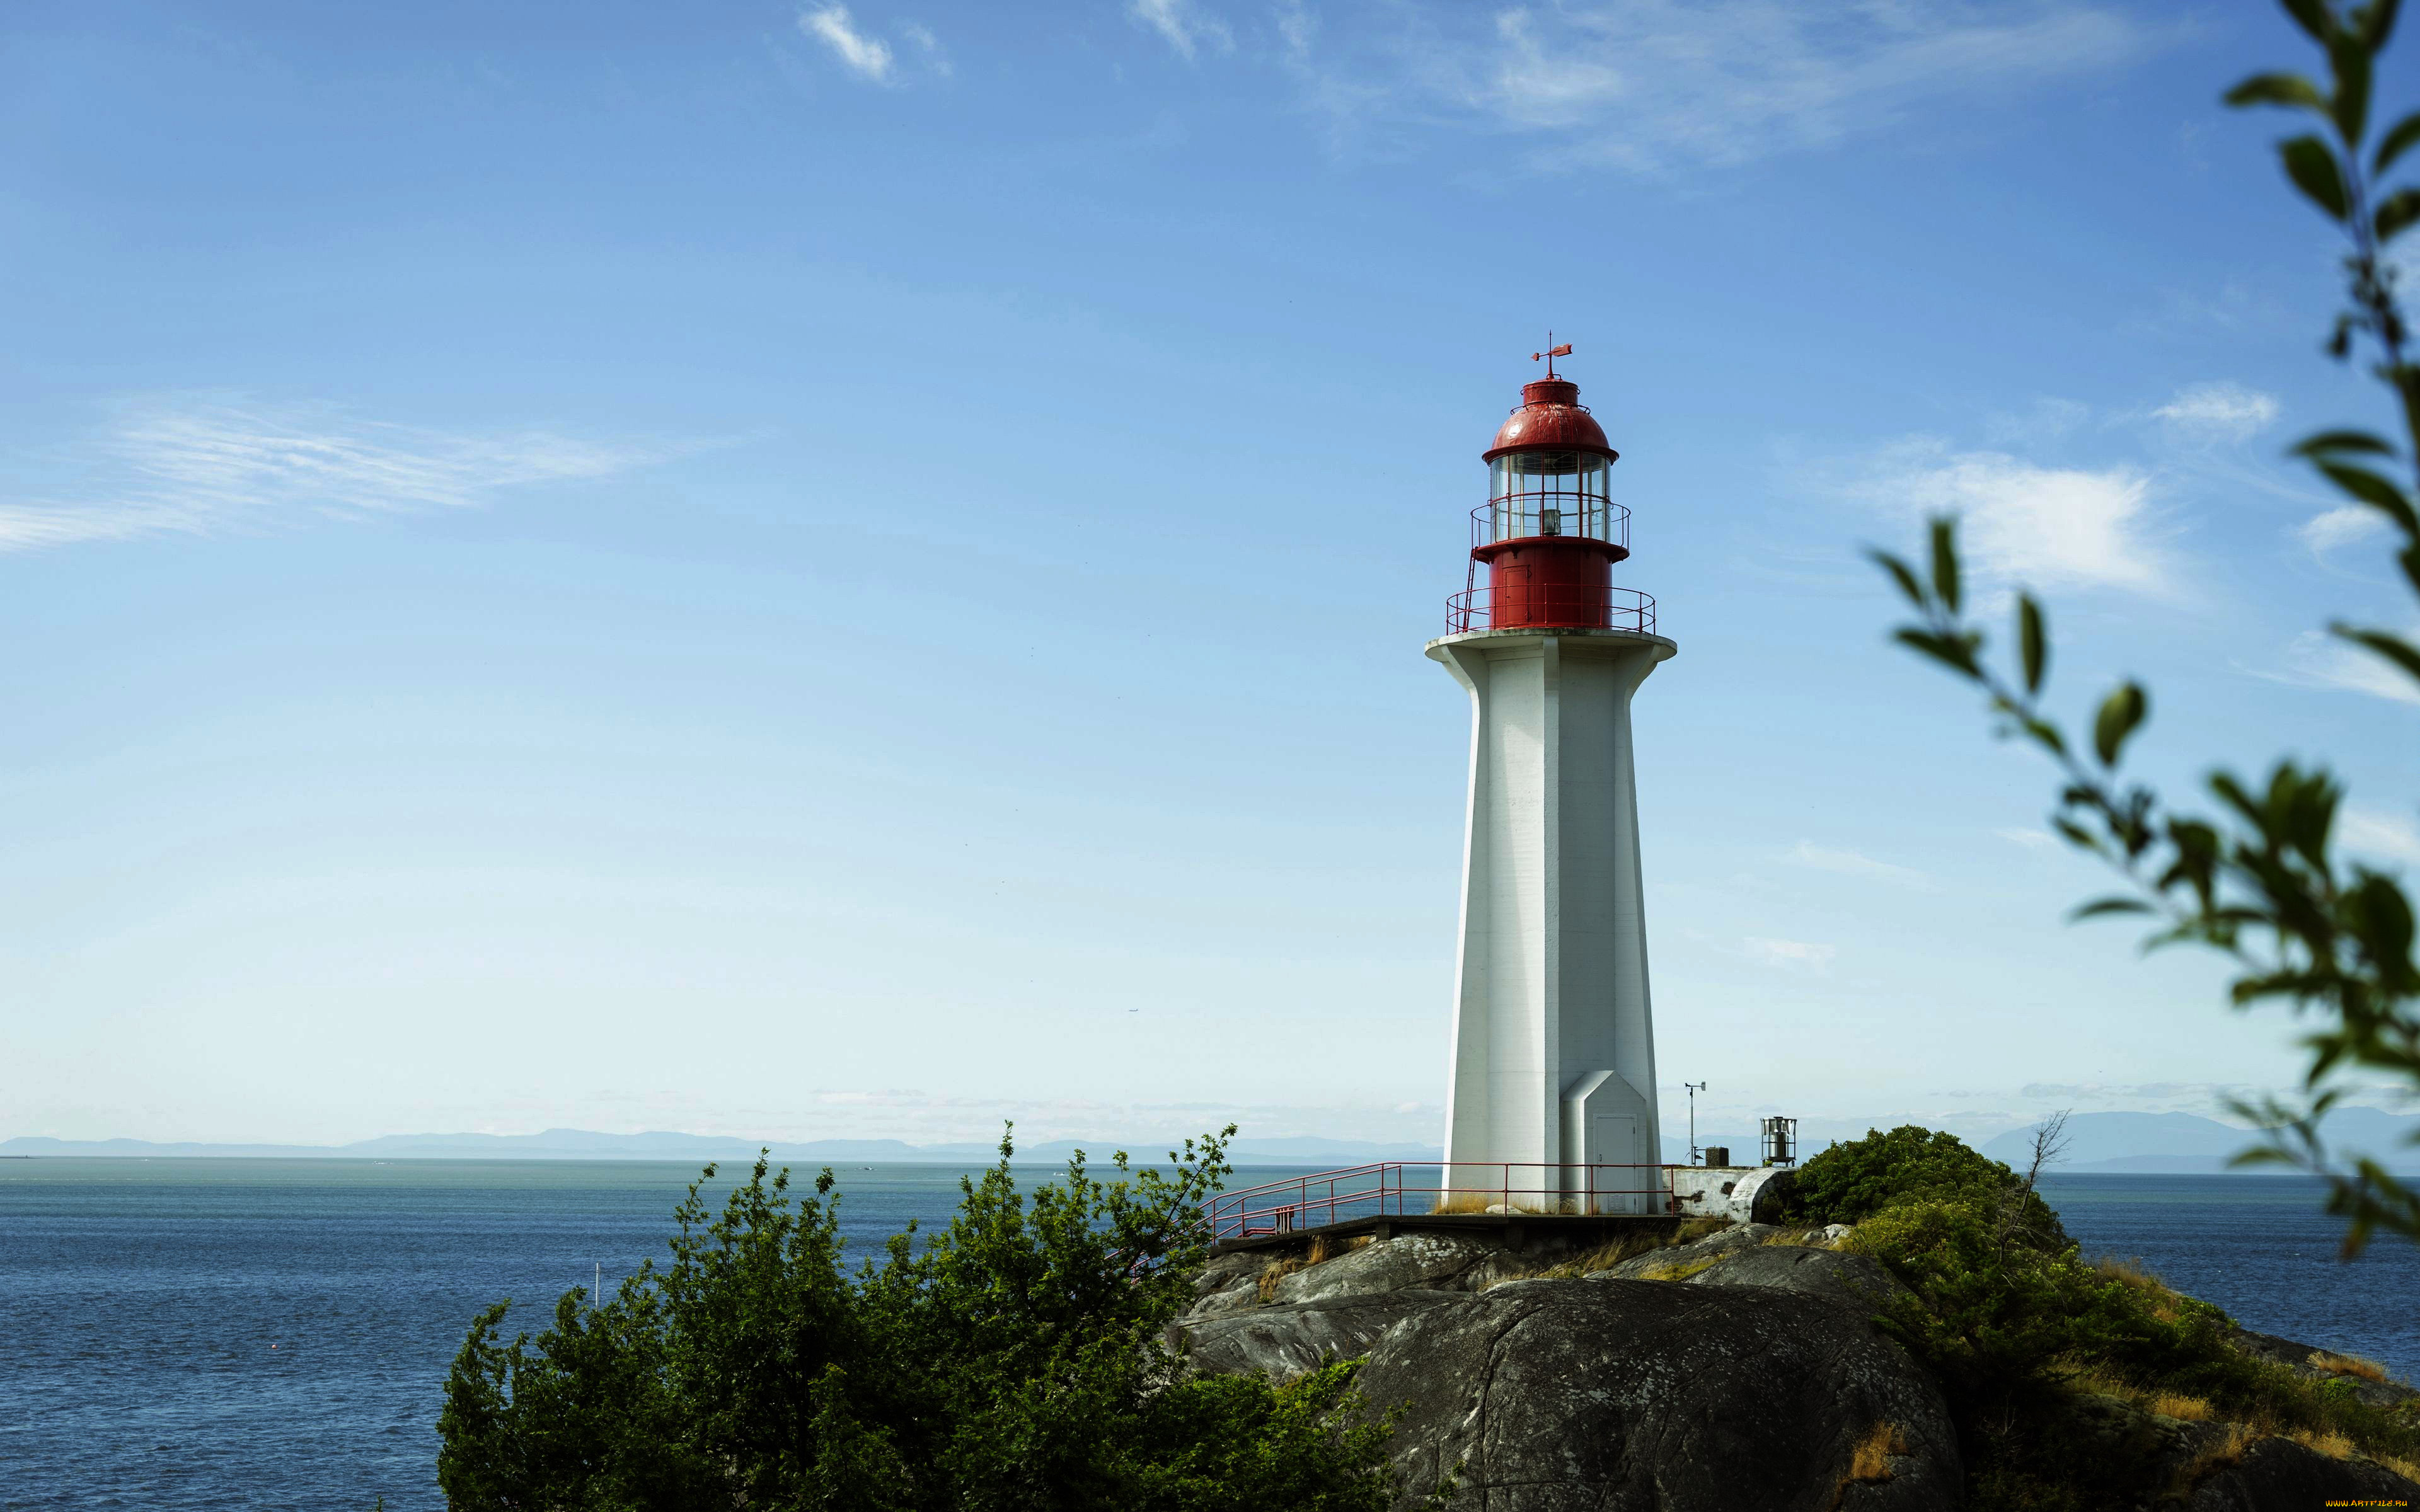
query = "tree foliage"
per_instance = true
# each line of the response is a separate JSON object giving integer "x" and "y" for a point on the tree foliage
{"x": 1850, "y": 1183}
{"x": 1012, "y": 1362}
{"x": 2257, "y": 877}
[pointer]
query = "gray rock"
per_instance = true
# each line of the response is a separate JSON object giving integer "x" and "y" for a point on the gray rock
{"x": 1858, "y": 1282}
{"x": 2297, "y": 1358}
{"x": 1674, "y": 1256}
{"x": 1284, "y": 1341}
{"x": 1414, "y": 1262}
{"x": 1615, "y": 1395}
{"x": 2279, "y": 1472}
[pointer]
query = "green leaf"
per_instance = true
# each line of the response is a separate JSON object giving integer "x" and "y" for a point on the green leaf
{"x": 2349, "y": 55}
{"x": 1954, "y": 652}
{"x": 2030, "y": 643}
{"x": 2377, "y": 24}
{"x": 2399, "y": 210}
{"x": 2313, "y": 168}
{"x": 2100, "y": 907}
{"x": 1945, "y": 561}
{"x": 2395, "y": 649}
{"x": 2373, "y": 490}
{"x": 2397, "y": 139}
{"x": 1902, "y": 573}
{"x": 2120, "y": 714}
{"x": 2290, "y": 89}
{"x": 2312, "y": 16}
{"x": 2341, "y": 440}
{"x": 2076, "y": 834}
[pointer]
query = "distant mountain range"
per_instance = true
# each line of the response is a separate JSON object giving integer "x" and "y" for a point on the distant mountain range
{"x": 2185, "y": 1142}
{"x": 2149, "y": 1142}
{"x": 581, "y": 1144}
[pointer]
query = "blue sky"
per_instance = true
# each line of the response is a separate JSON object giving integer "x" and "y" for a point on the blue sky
{"x": 862, "y": 571}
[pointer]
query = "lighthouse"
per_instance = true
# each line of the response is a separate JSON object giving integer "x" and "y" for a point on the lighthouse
{"x": 1552, "y": 1048}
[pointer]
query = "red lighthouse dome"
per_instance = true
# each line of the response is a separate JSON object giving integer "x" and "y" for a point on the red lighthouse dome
{"x": 1550, "y": 417}
{"x": 1550, "y": 531}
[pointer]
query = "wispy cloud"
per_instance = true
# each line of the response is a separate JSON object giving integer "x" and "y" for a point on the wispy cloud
{"x": 2032, "y": 840}
{"x": 1647, "y": 83}
{"x": 928, "y": 45}
{"x": 2221, "y": 411}
{"x": 2049, "y": 525}
{"x": 2318, "y": 659}
{"x": 1850, "y": 864}
{"x": 866, "y": 56}
{"x": 1188, "y": 26}
{"x": 1798, "y": 955}
{"x": 187, "y": 464}
{"x": 2387, "y": 836}
{"x": 2340, "y": 526}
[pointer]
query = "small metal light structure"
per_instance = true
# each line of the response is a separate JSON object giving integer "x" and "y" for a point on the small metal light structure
{"x": 1719, "y": 1155}
{"x": 1780, "y": 1141}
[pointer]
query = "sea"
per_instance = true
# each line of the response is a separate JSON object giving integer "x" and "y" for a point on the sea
{"x": 195, "y": 1334}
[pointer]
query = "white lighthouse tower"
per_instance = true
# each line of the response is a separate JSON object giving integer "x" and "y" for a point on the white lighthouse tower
{"x": 1554, "y": 1044}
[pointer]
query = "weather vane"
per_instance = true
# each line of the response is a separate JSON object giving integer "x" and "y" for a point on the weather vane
{"x": 1551, "y": 352}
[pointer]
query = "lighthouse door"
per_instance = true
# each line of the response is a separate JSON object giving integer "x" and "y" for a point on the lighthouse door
{"x": 1613, "y": 1142}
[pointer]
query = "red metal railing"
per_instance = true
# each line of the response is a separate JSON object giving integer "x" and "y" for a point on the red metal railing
{"x": 1553, "y": 604}
{"x": 1520, "y": 515}
{"x": 1385, "y": 1190}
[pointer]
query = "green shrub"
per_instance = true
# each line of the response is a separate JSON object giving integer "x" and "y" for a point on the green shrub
{"x": 1010, "y": 1363}
{"x": 1848, "y": 1183}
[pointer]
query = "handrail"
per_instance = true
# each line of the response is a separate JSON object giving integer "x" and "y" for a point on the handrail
{"x": 1520, "y": 515}
{"x": 1555, "y": 604}
{"x": 1381, "y": 1189}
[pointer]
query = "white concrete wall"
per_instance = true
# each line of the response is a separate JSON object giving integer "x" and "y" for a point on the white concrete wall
{"x": 1553, "y": 1044}
{"x": 1720, "y": 1191}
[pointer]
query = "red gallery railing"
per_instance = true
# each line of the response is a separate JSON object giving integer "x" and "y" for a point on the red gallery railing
{"x": 1550, "y": 605}
{"x": 1386, "y": 1190}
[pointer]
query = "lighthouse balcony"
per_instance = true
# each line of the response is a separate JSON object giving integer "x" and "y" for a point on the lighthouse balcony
{"x": 1550, "y": 605}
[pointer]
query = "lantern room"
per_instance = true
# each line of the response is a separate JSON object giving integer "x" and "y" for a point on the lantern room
{"x": 1550, "y": 531}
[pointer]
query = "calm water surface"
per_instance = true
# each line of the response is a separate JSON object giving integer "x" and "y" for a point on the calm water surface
{"x": 275, "y": 1334}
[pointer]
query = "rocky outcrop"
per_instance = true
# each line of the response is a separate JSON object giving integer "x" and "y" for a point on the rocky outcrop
{"x": 1547, "y": 1396}
{"x": 1756, "y": 1383}
{"x": 1287, "y": 1339}
{"x": 2304, "y": 1361}
{"x": 1741, "y": 1369}
{"x": 2148, "y": 1460}
{"x": 1857, "y": 1282}
{"x": 2279, "y": 1472}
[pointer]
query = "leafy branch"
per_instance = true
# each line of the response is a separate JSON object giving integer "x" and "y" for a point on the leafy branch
{"x": 2257, "y": 879}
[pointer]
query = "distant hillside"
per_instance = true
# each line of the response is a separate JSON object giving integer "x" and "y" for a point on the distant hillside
{"x": 581, "y": 1144}
{"x": 2186, "y": 1142}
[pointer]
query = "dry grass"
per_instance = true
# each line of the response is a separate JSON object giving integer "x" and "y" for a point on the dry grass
{"x": 1869, "y": 1460}
{"x": 2227, "y": 1450}
{"x": 1678, "y": 1273}
{"x": 2157, "y": 1294}
{"x": 1483, "y": 1202}
{"x": 2324, "y": 1441}
{"x": 2404, "y": 1468}
{"x": 1275, "y": 1271}
{"x": 2347, "y": 1365}
{"x": 2188, "y": 1409}
{"x": 1614, "y": 1251}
